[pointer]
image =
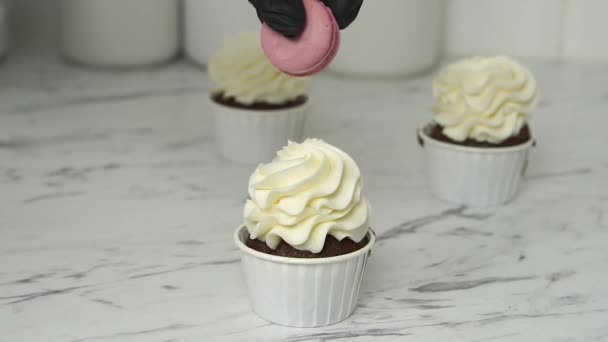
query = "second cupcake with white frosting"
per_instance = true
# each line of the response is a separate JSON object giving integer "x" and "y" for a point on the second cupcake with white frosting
{"x": 479, "y": 138}
{"x": 484, "y": 99}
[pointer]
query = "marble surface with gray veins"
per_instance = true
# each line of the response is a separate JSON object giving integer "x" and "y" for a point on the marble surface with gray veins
{"x": 116, "y": 215}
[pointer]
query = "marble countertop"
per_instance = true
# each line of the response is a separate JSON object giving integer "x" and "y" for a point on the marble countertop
{"x": 116, "y": 215}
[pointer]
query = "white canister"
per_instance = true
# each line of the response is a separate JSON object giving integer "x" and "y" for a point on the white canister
{"x": 208, "y": 23}
{"x": 392, "y": 38}
{"x": 3, "y": 28}
{"x": 119, "y": 33}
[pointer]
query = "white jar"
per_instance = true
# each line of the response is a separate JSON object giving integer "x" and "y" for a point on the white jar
{"x": 392, "y": 38}
{"x": 209, "y": 22}
{"x": 119, "y": 33}
{"x": 3, "y": 28}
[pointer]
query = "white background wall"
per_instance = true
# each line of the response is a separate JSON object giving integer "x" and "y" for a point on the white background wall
{"x": 541, "y": 28}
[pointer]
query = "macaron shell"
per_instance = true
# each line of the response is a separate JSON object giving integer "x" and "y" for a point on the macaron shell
{"x": 309, "y": 52}
{"x": 325, "y": 62}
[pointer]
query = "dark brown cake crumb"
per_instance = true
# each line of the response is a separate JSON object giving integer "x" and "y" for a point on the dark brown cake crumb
{"x": 523, "y": 137}
{"x": 332, "y": 248}
{"x": 231, "y": 102}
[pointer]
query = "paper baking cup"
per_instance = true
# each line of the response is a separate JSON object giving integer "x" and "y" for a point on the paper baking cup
{"x": 302, "y": 292}
{"x": 476, "y": 177}
{"x": 254, "y": 136}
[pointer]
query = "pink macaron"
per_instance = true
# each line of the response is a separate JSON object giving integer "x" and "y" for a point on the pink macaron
{"x": 313, "y": 50}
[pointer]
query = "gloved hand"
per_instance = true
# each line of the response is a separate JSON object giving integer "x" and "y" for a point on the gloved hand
{"x": 288, "y": 17}
{"x": 345, "y": 11}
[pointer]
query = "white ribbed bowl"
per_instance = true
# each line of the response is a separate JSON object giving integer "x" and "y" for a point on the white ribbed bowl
{"x": 476, "y": 177}
{"x": 254, "y": 136}
{"x": 302, "y": 293}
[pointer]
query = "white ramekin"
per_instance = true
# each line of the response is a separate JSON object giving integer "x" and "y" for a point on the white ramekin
{"x": 302, "y": 292}
{"x": 254, "y": 136}
{"x": 472, "y": 176}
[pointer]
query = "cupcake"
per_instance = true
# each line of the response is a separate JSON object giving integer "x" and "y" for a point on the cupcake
{"x": 306, "y": 236}
{"x": 256, "y": 108}
{"x": 478, "y": 142}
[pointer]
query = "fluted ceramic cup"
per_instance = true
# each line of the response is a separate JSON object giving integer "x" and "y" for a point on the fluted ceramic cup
{"x": 251, "y": 136}
{"x": 473, "y": 176}
{"x": 303, "y": 293}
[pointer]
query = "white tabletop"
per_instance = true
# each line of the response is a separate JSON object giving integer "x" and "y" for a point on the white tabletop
{"x": 116, "y": 215}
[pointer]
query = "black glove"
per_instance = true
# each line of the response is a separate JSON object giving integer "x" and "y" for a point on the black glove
{"x": 288, "y": 17}
{"x": 345, "y": 11}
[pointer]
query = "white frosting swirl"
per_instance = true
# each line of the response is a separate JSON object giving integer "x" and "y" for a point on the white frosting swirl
{"x": 308, "y": 191}
{"x": 241, "y": 70}
{"x": 484, "y": 98}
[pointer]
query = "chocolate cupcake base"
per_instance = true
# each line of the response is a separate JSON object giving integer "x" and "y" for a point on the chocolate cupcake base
{"x": 332, "y": 248}
{"x": 232, "y": 103}
{"x": 436, "y": 132}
